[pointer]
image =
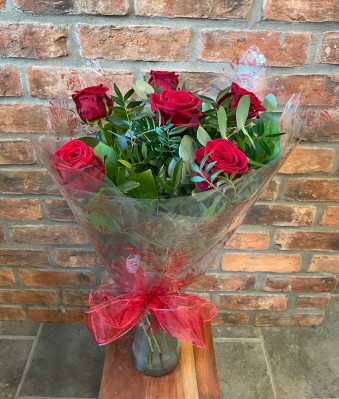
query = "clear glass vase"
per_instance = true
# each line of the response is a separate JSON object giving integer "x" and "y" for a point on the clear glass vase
{"x": 155, "y": 355}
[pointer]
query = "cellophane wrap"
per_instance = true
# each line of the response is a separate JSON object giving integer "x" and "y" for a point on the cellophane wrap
{"x": 154, "y": 249}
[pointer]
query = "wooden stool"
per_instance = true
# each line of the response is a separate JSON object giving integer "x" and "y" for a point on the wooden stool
{"x": 194, "y": 378}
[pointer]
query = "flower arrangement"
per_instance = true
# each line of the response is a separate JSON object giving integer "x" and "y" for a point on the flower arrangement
{"x": 169, "y": 142}
{"x": 160, "y": 178}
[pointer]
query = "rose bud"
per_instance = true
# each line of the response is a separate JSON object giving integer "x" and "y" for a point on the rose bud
{"x": 78, "y": 168}
{"x": 228, "y": 157}
{"x": 90, "y": 102}
{"x": 166, "y": 80}
{"x": 237, "y": 92}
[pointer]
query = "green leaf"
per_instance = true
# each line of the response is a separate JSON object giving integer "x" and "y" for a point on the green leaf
{"x": 177, "y": 173}
{"x": 125, "y": 163}
{"x": 215, "y": 174}
{"x": 177, "y": 130}
{"x": 223, "y": 93}
{"x": 144, "y": 86}
{"x": 256, "y": 163}
{"x": 265, "y": 146}
{"x": 187, "y": 148}
{"x": 209, "y": 167}
{"x": 117, "y": 91}
{"x": 104, "y": 152}
{"x": 197, "y": 179}
{"x": 128, "y": 186}
{"x": 270, "y": 103}
{"x": 195, "y": 167}
{"x": 271, "y": 127}
{"x": 90, "y": 141}
{"x": 147, "y": 189}
{"x": 128, "y": 95}
{"x": 211, "y": 210}
{"x": 202, "y": 136}
{"x": 206, "y": 99}
{"x": 201, "y": 196}
{"x": 139, "y": 92}
{"x": 242, "y": 111}
{"x": 222, "y": 121}
{"x": 166, "y": 185}
{"x": 260, "y": 127}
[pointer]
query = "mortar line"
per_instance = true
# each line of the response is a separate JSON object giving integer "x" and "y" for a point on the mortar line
{"x": 18, "y": 337}
{"x": 223, "y": 339}
{"x": 336, "y": 295}
{"x": 28, "y": 362}
{"x": 269, "y": 368}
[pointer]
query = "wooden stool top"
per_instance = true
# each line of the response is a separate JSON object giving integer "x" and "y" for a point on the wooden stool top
{"x": 194, "y": 378}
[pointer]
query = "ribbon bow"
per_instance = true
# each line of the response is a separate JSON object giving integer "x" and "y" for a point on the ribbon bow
{"x": 181, "y": 315}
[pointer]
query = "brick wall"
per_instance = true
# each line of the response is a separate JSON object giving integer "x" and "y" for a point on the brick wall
{"x": 281, "y": 264}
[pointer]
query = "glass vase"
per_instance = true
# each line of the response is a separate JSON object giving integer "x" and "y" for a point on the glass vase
{"x": 155, "y": 355}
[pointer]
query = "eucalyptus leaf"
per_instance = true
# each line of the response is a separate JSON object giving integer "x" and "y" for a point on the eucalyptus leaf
{"x": 187, "y": 148}
{"x": 270, "y": 102}
{"x": 242, "y": 111}
{"x": 202, "y": 136}
{"x": 222, "y": 121}
{"x": 139, "y": 92}
{"x": 144, "y": 86}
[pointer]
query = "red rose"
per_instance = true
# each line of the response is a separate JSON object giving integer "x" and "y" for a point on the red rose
{"x": 181, "y": 106}
{"x": 237, "y": 92}
{"x": 90, "y": 102}
{"x": 78, "y": 167}
{"x": 229, "y": 158}
{"x": 166, "y": 80}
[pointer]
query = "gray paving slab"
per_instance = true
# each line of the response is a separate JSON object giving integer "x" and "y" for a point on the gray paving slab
{"x": 66, "y": 363}
{"x": 13, "y": 358}
{"x": 305, "y": 361}
{"x": 242, "y": 371}
{"x": 28, "y": 328}
{"x": 235, "y": 332}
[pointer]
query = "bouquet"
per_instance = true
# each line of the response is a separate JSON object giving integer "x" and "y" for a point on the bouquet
{"x": 160, "y": 177}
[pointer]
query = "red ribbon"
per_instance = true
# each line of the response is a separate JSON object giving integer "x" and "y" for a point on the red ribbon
{"x": 181, "y": 315}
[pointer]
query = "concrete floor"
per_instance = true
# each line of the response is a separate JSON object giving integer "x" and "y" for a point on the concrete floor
{"x": 62, "y": 361}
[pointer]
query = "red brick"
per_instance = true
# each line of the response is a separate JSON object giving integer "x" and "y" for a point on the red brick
{"x": 2, "y": 3}
{"x": 2, "y": 237}
{"x": 225, "y": 282}
{"x": 300, "y": 284}
{"x": 77, "y": 258}
{"x": 76, "y": 297}
{"x": 32, "y": 181}
{"x": 134, "y": 43}
{"x": 304, "y": 240}
{"x": 270, "y": 192}
{"x": 59, "y": 210}
{"x": 20, "y": 209}
{"x": 314, "y": 302}
{"x": 10, "y": 83}
{"x": 252, "y": 302}
{"x": 253, "y": 241}
{"x": 280, "y": 215}
{"x": 106, "y": 278}
{"x": 328, "y": 51}
{"x": 313, "y": 190}
{"x": 192, "y": 9}
{"x": 324, "y": 263}
{"x": 56, "y": 234}
{"x": 32, "y": 297}
{"x": 308, "y": 160}
{"x": 289, "y": 319}
{"x": 202, "y": 295}
{"x": 280, "y": 48}
{"x": 230, "y": 319}
{"x": 23, "y": 257}
{"x": 276, "y": 263}
{"x": 12, "y": 121}
{"x": 320, "y": 129}
{"x": 60, "y": 82}
{"x": 330, "y": 216}
{"x": 99, "y": 7}
{"x": 14, "y": 313}
{"x": 57, "y": 315}
{"x": 29, "y": 40}
{"x": 6, "y": 277}
{"x": 301, "y": 11}
{"x": 56, "y": 278}
{"x": 16, "y": 152}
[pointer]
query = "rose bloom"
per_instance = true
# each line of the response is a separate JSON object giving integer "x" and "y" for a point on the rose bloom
{"x": 89, "y": 102}
{"x": 181, "y": 106}
{"x": 166, "y": 80}
{"x": 237, "y": 92}
{"x": 77, "y": 167}
{"x": 229, "y": 158}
